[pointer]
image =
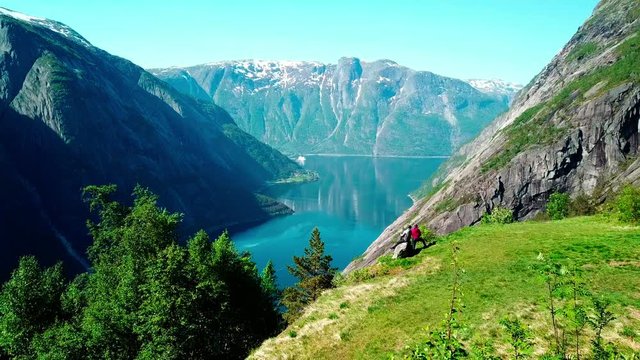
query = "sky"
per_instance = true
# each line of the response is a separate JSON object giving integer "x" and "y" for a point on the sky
{"x": 487, "y": 39}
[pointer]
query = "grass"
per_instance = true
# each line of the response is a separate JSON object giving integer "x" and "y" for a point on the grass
{"x": 389, "y": 311}
{"x": 583, "y": 51}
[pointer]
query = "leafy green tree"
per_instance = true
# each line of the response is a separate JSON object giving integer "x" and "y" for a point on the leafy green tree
{"x": 315, "y": 274}
{"x": 147, "y": 296}
{"x": 558, "y": 206}
{"x": 29, "y": 304}
{"x": 628, "y": 204}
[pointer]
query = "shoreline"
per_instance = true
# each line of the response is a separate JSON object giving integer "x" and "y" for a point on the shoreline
{"x": 383, "y": 156}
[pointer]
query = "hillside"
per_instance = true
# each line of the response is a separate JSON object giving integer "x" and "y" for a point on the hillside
{"x": 74, "y": 115}
{"x": 384, "y": 310}
{"x": 352, "y": 107}
{"x": 573, "y": 128}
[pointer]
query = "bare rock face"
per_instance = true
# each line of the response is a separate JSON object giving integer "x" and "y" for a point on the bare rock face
{"x": 581, "y": 139}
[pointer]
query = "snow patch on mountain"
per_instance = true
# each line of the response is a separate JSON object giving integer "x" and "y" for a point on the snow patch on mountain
{"x": 495, "y": 86}
{"x": 55, "y": 26}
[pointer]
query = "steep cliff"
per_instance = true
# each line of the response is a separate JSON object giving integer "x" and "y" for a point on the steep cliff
{"x": 356, "y": 107}
{"x": 574, "y": 129}
{"x": 72, "y": 115}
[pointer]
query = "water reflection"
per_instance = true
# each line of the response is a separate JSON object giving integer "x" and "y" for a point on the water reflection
{"x": 368, "y": 190}
{"x": 354, "y": 200}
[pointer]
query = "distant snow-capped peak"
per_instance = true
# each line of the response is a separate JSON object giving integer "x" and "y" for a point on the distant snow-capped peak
{"x": 55, "y": 26}
{"x": 495, "y": 86}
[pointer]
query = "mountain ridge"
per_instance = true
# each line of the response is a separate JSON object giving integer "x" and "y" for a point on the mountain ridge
{"x": 352, "y": 106}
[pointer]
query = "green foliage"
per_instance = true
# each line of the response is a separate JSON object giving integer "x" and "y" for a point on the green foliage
{"x": 519, "y": 337}
{"x": 314, "y": 273}
{"x": 627, "y": 204}
{"x": 29, "y": 303}
{"x": 146, "y": 296}
{"x": 427, "y": 234}
{"x": 558, "y": 206}
{"x": 276, "y": 164}
{"x": 498, "y": 215}
{"x": 629, "y": 332}
{"x": 499, "y": 280}
{"x": 530, "y": 128}
{"x": 445, "y": 341}
{"x": 583, "y": 51}
{"x": 582, "y": 205}
{"x": 445, "y": 205}
{"x": 269, "y": 283}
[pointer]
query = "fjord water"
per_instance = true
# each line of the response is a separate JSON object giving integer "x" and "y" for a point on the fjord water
{"x": 352, "y": 202}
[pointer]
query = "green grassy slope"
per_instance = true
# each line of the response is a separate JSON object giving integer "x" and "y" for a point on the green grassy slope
{"x": 386, "y": 311}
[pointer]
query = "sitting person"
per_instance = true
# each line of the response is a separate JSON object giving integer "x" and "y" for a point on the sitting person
{"x": 406, "y": 250}
{"x": 405, "y": 236}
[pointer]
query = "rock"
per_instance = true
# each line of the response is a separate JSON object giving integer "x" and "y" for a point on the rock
{"x": 401, "y": 251}
{"x": 596, "y": 134}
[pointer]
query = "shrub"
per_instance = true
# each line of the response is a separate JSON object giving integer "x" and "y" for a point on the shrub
{"x": 628, "y": 205}
{"x": 427, "y": 234}
{"x": 498, "y": 215}
{"x": 582, "y": 205}
{"x": 558, "y": 206}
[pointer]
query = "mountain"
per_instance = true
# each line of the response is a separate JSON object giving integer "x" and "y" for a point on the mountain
{"x": 573, "y": 129}
{"x": 496, "y": 87}
{"x": 353, "y": 107}
{"x": 74, "y": 115}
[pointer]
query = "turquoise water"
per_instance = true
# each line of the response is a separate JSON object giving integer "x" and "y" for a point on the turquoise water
{"x": 355, "y": 199}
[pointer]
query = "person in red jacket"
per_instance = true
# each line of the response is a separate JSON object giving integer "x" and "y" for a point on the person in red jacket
{"x": 416, "y": 235}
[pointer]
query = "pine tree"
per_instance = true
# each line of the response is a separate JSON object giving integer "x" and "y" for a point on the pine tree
{"x": 269, "y": 282}
{"x": 315, "y": 274}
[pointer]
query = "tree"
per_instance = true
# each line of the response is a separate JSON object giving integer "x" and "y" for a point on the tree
{"x": 315, "y": 274}
{"x": 29, "y": 304}
{"x": 269, "y": 282}
{"x": 147, "y": 296}
{"x": 558, "y": 206}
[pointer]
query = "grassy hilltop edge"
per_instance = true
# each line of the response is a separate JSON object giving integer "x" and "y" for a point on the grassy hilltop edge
{"x": 383, "y": 310}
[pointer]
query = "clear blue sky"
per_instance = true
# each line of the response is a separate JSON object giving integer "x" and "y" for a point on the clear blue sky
{"x": 507, "y": 39}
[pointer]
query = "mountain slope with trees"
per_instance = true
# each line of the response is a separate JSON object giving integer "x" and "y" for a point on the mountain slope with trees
{"x": 73, "y": 115}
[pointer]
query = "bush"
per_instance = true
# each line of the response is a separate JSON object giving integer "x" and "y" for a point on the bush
{"x": 498, "y": 215}
{"x": 558, "y": 206}
{"x": 628, "y": 205}
{"x": 427, "y": 234}
{"x": 582, "y": 205}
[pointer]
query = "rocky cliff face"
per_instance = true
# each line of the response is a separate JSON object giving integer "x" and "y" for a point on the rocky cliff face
{"x": 72, "y": 115}
{"x": 574, "y": 129}
{"x": 357, "y": 107}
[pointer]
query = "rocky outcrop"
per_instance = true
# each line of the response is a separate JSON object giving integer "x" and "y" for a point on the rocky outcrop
{"x": 355, "y": 107}
{"x": 586, "y": 111}
{"x": 72, "y": 115}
